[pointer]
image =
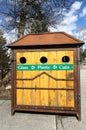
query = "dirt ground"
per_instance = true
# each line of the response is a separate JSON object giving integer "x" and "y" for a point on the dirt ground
{"x": 5, "y": 94}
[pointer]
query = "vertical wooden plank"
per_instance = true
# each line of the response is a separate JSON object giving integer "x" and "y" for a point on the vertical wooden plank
{"x": 26, "y": 97}
{"x": 70, "y": 84}
{"x": 70, "y": 98}
{"x": 19, "y": 74}
{"x": 61, "y": 84}
{"x": 27, "y": 55}
{"x": 27, "y": 75}
{"x": 19, "y": 84}
{"x": 62, "y": 98}
{"x": 61, "y": 74}
{"x": 44, "y": 93}
{"x": 62, "y": 94}
{"x": 43, "y": 80}
{"x": 35, "y": 82}
{"x": 70, "y": 94}
{"x": 36, "y": 93}
{"x": 18, "y": 56}
{"x": 70, "y": 54}
{"x": 53, "y": 99}
{"x": 34, "y": 60}
{"x": 19, "y": 97}
{"x": 52, "y": 59}
{"x": 70, "y": 73}
{"x": 43, "y": 54}
{"x": 44, "y": 97}
{"x": 37, "y": 97}
{"x": 27, "y": 83}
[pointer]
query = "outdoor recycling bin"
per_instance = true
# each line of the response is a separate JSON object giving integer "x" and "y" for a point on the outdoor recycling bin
{"x": 45, "y": 74}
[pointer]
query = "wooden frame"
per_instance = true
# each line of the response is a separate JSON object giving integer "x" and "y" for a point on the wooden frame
{"x": 61, "y": 110}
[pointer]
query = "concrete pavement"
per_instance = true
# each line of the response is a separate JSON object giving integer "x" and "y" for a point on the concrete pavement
{"x": 28, "y": 121}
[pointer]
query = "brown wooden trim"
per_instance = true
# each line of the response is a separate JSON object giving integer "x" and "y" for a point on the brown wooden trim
{"x": 13, "y": 85}
{"x": 46, "y": 49}
{"x": 66, "y": 89}
{"x": 47, "y": 107}
{"x": 52, "y": 78}
{"x": 66, "y": 45}
{"x": 78, "y": 85}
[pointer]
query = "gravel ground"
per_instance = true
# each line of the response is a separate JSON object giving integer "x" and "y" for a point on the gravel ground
{"x": 28, "y": 121}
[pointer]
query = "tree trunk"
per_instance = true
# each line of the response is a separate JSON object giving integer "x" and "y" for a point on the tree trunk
{"x": 23, "y": 19}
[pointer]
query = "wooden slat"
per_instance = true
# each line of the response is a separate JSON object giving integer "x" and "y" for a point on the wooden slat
{"x": 27, "y": 83}
{"x": 19, "y": 83}
{"x": 70, "y": 98}
{"x": 61, "y": 84}
{"x": 27, "y": 74}
{"x": 70, "y": 84}
{"x": 19, "y": 74}
{"x": 70, "y": 73}
{"x": 43, "y": 81}
{"x": 70, "y": 54}
{"x": 19, "y": 97}
{"x": 61, "y": 73}
{"x": 53, "y": 98}
{"x": 35, "y": 82}
{"x": 18, "y": 56}
{"x": 44, "y": 94}
{"x": 26, "y": 97}
{"x": 52, "y": 57}
{"x": 44, "y": 97}
{"x": 52, "y": 93}
{"x": 61, "y": 93}
{"x": 37, "y": 97}
{"x": 27, "y": 55}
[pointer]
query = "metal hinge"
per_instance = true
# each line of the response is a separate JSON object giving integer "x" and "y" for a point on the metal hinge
{"x": 13, "y": 60}
{"x": 77, "y": 62}
{"x": 78, "y": 98}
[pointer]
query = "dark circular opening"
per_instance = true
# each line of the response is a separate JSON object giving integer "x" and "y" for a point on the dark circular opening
{"x": 23, "y": 60}
{"x": 65, "y": 59}
{"x": 43, "y": 59}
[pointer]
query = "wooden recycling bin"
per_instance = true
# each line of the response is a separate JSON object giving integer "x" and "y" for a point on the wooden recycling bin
{"x": 45, "y": 74}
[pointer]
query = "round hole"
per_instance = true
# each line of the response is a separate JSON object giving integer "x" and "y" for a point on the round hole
{"x": 43, "y": 59}
{"x": 23, "y": 60}
{"x": 65, "y": 59}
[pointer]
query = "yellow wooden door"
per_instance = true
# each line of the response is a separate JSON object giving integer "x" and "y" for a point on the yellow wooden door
{"x": 45, "y": 78}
